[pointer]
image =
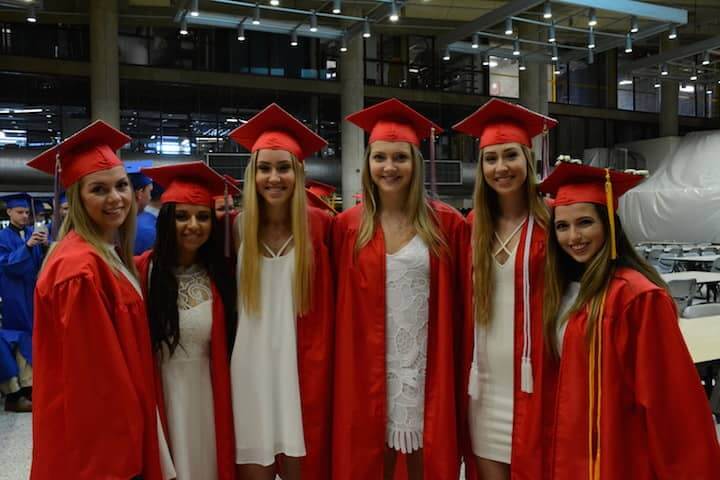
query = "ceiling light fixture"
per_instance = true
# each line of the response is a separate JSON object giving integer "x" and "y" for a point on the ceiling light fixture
{"x": 475, "y": 40}
{"x": 394, "y": 15}
{"x": 337, "y": 6}
{"x": 508, "y": 26}
{"x": 547, "y": 10}
{"x": 592, "y": 18}
{"x": 256, "y": 15}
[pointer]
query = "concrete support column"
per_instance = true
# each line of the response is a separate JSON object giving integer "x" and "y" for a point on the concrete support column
{"x": 534, "y": 83}
{"x": 104, "y": 76}
{"x": 669, "y": 123}
{"x": 352, "y": 99}
{"x": 611, "y": 77}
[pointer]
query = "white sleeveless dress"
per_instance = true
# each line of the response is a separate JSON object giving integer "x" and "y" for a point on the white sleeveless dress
{"x": 491, "y": 415}
{"x": 187, "y": 384}
{"x": 264, "y": 369}
{"x": 407, "y": 287}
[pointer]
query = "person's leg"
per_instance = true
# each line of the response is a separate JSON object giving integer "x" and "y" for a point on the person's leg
{"x": 492, "y": 470}
{"x": 252, "y": 471}
{"x": 390, "y": 459}
{"x": 25, "y": 378}
{"x": 289, "y": 467}
{"x": 415, "y": 465}
{"x": 14, "y": 400}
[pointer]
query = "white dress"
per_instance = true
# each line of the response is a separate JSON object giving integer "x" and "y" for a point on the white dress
{"x": 491, "y": 415}
{"x": 407, "y": 290}
{"x": 264, "y": 370}
{"x": 571, "y": 294}
{"x": 187, "y": 384}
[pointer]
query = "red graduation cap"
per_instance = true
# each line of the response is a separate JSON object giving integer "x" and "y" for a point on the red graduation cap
{"x": 231, "y": 181}
{"x": 320, "y": 189}
{"x": 276, "y": 129}
{"x": 90, "y": 150}
{"x": 194, "y": 183}
{"x": 393, "y": 121}
{"x": 499, "y": 122}
{"x": 570, "y": 183}
{"x": 315, "y": 200}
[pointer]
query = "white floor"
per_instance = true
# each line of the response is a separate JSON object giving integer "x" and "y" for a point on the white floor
{"x": 16, "y": 445}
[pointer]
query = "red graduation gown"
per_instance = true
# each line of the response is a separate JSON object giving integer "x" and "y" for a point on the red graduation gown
{"x": 314, "y": 350}
{"x": 360, "y": 401}
{"x": 527, "y": 443}
{"x": 655, "y": 419}
{"x": 94, "y": 408}
{"x": 219, "y": 373}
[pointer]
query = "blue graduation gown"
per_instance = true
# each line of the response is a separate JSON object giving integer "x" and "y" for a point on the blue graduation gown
{"x": 145, "y": 234}
{"x": 19, "y": 267}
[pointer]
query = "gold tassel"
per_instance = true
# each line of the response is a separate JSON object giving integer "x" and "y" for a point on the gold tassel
{"x": 595, "y": 363}
{"x": 611, "y": 213}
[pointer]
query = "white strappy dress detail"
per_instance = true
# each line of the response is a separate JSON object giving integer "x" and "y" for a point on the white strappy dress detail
{"x": 264, "y": 368}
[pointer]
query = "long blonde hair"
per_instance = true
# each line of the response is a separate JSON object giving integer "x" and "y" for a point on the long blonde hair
{"x": 249, "y": 282}
{"x": 78, "y": 220}
{"x": 486, "y": 208}
{"x": 423, "y": 217}
{"x": 594, "y": 280}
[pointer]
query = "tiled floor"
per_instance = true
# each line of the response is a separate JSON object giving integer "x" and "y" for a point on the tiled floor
{"x": 15, "y": 444}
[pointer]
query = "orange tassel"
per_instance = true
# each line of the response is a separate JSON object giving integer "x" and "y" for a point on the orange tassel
{"x": 611, "y": 213}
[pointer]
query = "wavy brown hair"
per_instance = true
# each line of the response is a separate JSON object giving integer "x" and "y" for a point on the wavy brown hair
{"x": 487, "y": 211}
{"x": 561, "y": 269}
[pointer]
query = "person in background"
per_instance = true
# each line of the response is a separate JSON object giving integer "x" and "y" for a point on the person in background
{"x": 21, "y": 254}
{"x": 142, "y": 188}
{"x": 396, "y": 262}
{"x": 629, "y": 402}
{"x": 501, "y": 352}
{"x": 95, "y": 413}
{"x": 281, "y": 363}
{"x": 146, "y": 221}
{"x": 190, "y": 300}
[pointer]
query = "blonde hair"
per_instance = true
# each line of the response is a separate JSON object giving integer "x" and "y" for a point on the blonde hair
{"x": 486, "y": 208}
{"x": 78, "y": 220}
{"x": 249, "y": 282}
{"x": 423, "y": 217}
{"x": 594, "y": 280}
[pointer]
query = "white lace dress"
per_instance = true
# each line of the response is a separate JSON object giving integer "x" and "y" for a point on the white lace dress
{"x": 264, "y": 370}
{"x": 187, "y": 384}
{"x": 407, "y": 290}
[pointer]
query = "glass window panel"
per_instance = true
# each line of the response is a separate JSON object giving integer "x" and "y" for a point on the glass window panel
{"x": 647, "y": 97}
{"x": 504, "y": 77}
{"x": 686, "y": 100}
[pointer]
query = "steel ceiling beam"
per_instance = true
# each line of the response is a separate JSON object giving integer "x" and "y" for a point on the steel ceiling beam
{"x": 609, "y": 44}
{"x": 488, "y": 20}
{"x": 650, "y": 11}
{"x": 670, "y": 55}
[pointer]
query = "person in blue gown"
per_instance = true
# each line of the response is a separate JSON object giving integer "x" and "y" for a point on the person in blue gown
{"x": 144, "y": 189}
{"x": 21, "y": 254}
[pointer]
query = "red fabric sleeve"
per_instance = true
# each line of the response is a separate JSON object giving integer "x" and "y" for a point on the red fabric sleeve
{"x": 102, "y": 412}
{"x": 682, "y": 439}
